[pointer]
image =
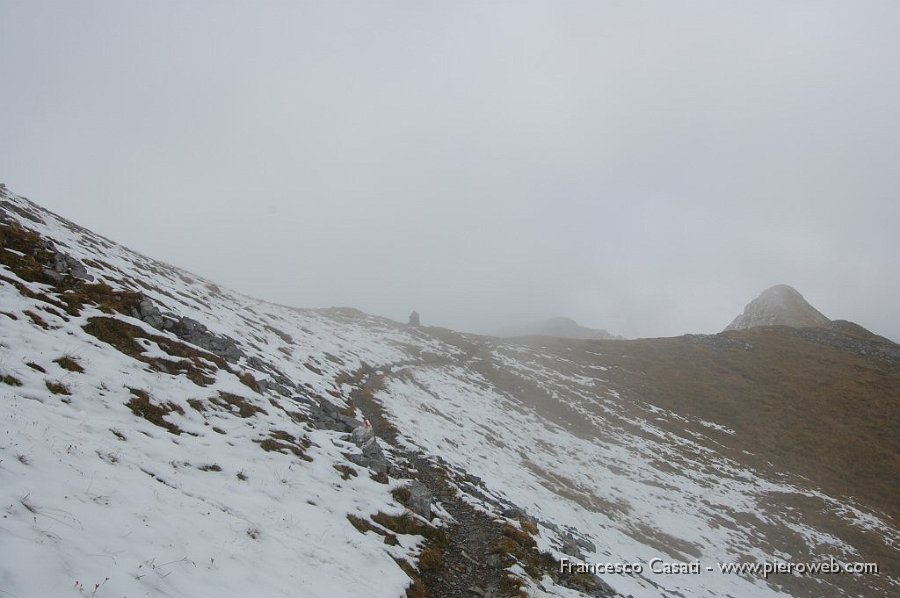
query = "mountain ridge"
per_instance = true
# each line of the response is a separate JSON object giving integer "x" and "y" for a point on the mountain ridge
{"x": 561, "y": 327}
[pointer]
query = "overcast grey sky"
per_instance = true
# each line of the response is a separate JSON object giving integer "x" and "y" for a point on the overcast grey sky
{"x": 645, "y": 167}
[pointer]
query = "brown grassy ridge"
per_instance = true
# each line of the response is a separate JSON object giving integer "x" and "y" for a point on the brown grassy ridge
{"x": 828, "y": 414}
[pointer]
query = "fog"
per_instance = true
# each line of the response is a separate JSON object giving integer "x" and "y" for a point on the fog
{"x": 644, "y": 167}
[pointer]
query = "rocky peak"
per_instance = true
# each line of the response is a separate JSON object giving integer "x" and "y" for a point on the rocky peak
{"x": 780, "y": 305}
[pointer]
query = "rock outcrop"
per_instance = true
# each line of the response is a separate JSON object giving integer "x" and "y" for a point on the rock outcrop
{"x": 780, "y": 305}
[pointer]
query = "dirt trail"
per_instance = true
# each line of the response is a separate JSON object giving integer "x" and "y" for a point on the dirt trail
{"x": 479, "y": 547}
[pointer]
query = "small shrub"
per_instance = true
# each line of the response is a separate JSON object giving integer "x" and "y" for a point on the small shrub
{"x": 68, "y": 362}
{"x": 57, "y": 388}
{"x": 36, "y": 367}
{"x": 242, "y": 476}
{"x": 210, "y": 467}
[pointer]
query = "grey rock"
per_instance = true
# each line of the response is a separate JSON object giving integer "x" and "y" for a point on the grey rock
{"x": 328, "y": 416}
{"x": 420, "y": 499}
{"x": 372, "y": 456}
{"x": 53, "y": 275}
{"x": 279, "y": 388}
{"x": 196, "y": 333}
{"x": 64, "y": 265}
{"x": 575, "y": 545}
{"x": 362, "y": 435}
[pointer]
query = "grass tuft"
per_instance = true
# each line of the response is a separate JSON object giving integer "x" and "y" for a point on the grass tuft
{"x": 282, "y": 442}
{"x": 142, "y": 406}
{"x": 232, "y": 402}
{"x": 11, "y": 380}
{"x": 67, "y": 362}
{"x": 57, "y": 388}
{"x": 431, "y": 559}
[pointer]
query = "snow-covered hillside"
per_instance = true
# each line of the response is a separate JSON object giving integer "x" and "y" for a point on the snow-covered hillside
{"x": 162, "y": 436}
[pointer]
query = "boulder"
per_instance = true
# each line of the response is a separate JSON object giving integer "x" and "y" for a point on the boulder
{"x": 420, "y": 499}
{"x": 372, "y": 456}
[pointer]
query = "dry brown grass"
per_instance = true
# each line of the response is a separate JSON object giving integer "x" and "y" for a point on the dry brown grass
{"x": 346, "y": 471}
{"x": 67, "y": 362}
{"x": 37, "y": 320}
{"x": 280, "y": 441}
{"x": 236, "y": 403}
{"x": 10, "y": 380}
{"x": 431, "y": 558}
{"x": 57, "y": 388}
{"x": 827, "y": 414}
{"x": 155, "y": 413}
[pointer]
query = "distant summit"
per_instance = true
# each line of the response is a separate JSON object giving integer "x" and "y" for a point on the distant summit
{"x": 559, "y": 328}
{"x": 780, "y": 305}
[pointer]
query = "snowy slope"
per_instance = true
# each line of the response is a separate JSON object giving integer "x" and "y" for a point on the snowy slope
{"x": 183, "y": 468}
